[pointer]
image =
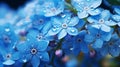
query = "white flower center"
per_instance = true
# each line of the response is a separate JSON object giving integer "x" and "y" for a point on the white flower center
{"x": 101, "y": 21}
{"x": 33, "y": 51}
{"x": 64, "y": 25}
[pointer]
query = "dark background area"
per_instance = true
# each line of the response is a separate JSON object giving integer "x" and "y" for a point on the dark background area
{"x": 15, "y": 4}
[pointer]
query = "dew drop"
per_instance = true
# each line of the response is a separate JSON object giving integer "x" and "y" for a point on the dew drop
{"x": 7, "y": 29}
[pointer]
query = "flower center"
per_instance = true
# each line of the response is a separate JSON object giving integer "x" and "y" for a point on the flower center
{"x": 6, "y": 39}
{"x": 101, "y": 21}
{"x": 98, "y": 35}
{"x": 64, "y": 25}
{"x": 41, "y": 21}
{"x": 86, "y": 8}
{"x": 39, "y": 37}
{"x": 8, "y": 56}
{"x": 79, "y": 40}
{"x": 33, "y": 51}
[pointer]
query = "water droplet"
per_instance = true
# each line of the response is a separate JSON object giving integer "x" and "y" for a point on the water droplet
{"x": 119, "y": 46}
{"x": 71, "y": 48}
{"x": 63, "y": 15}
{"x": 24, "y": 60}
{"x": 54, "y": 29}
{"x": 40, "y": 56}
{"x": 7, "y": 29}
{"x": 72, "y": 31}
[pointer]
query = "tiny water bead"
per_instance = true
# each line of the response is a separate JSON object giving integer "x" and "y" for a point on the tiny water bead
{"x": 34, "y": 51}
{"x": 7, "y": 29}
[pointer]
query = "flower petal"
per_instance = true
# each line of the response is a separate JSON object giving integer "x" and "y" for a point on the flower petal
{"x": 62, "y": 34}
{"x": 8, "y": 62}
{"x": 96, "y": 3}
{"x": 53, "y": 31}
{"x": 105, "y": 14}
{"x": 44, "y": 56}
{"x": 94, "y": 12}
{"x": 89, "y": 38}
{"x": 105, "y": 28}
{"x": 42, "y": 45}
{"x": 98, "y": 43}
{"x": 74, "y": 21}
{"x": 82, "y": 15}
{"x": 35, "y": 61}
{"x": 72, "y": 31}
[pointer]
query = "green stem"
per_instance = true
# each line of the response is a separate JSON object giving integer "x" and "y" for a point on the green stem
{"x": 71, "y": 8}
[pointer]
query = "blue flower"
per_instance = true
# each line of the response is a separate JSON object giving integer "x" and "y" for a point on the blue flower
{"x": 75, "y": 45}
{"x": 102, "y": 20}
{"x": 86, "y": 7}
{"x": 80, "y": 45}
{"x": 34, "y": 34}
{"x": 97, "y": 36}
{"x": 10, "y": 55}
{"x": 116, "y": 17}
{"x": 111, "y": 47}
{"x": 50, "y": 7}
{"x": 67, "y": 45}
{"x": 34, "y": 51}
{"x": 8, "y": 37}
{"x": 39, "y": 21}
{"x": 63, "y": 25}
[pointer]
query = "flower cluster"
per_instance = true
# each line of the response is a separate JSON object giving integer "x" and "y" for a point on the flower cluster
{"x": 56, "y": 32}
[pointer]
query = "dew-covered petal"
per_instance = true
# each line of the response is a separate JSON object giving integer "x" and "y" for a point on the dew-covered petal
{"x": 72, "y": 31}
{"x": 105, "y": 14}
{"x": 8, "y": 62}
{"x": 96, "y": 3}
{"x": 94, "y": 12}
{"x": 105, "y": 28}
{"x": 74, "y": 21}
{"x": 82, "y": 15}
{"x": 53, "y": 31}
{"x": 110, "y": 23}
{"x": 42, "y": 45}
{"x": 44, "y": 56}
{"x": 62, "y": 34}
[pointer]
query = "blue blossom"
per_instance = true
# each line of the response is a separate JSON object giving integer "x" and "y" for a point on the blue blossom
{"x": 96, "y": 36}
{"x": 10, "y": 56}
{"x": 86, "y": 7}
{"x": 116, "y": 17}
{"x": 39, "y": 21}
{"x": 67, "y": 45}
{"x": 79, "y": 44}
{"x": 40, "y": 34}
{"x": 111, "y": 47}
{"x": 34, "y": 51}
{"x": 75, "y": 44}
{"x": 102, "y": 20}
{"x": 63, "y": 25}
{"x": 8, "y": 37}
{"x": 50, "y": 7}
